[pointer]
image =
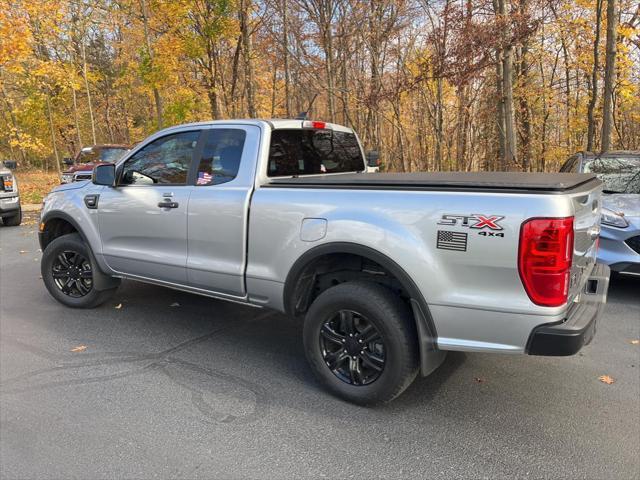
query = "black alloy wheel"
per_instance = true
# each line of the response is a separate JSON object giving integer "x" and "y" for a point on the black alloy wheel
{"x": 360, "y": 341}
{"x": 72, "y": 273}
{"x": 352, "y": 348}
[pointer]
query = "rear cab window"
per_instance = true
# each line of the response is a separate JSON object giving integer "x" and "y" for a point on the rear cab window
{"x": 295, "y": 152}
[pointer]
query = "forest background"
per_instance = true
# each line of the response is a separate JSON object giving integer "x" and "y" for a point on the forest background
{"x": 433, "y": 85}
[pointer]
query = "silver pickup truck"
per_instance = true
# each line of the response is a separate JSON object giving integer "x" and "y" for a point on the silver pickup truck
{"x": 387, "y": 271}
{"x": 10, "y": 208}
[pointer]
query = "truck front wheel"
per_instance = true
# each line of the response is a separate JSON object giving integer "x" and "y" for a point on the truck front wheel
{"x": 69, "y": 273}
{"x": 13, "y": 220}
{"x": 361, "y": 343}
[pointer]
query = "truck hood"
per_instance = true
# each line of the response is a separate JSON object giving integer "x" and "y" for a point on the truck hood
{"x": 5, "y": 171}
{"x": 69, "y": 186}
{"x": 82, "y": 167}
{"x": 627, "y": 203}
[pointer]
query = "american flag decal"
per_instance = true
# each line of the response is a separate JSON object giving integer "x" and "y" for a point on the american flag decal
{"x": 452, "y": 241}
{"x": 204, "y": 178}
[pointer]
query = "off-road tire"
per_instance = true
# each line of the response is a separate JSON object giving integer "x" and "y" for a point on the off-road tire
{"x": 72, "y": 243}
{"x": 394, "y": 322}
{"x": 13, "y": 220}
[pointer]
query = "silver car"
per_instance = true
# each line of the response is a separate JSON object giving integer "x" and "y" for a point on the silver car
{"x": 620, "y": 221}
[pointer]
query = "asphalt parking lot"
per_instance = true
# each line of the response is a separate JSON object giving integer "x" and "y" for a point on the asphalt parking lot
{"x": 172, "y": 385}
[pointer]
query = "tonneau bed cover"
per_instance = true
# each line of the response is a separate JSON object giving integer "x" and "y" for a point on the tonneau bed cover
{"x": 487, "y": 181}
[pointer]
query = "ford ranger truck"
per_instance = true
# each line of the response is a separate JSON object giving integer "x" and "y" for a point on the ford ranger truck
{"x": 386, "y": 271}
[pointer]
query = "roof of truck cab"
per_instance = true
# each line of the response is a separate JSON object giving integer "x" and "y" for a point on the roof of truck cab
{"x": 492, "y": 181}
{"x": 274, "y": 123}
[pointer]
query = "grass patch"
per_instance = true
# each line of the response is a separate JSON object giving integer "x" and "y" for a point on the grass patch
{"x": 34, "y": 185}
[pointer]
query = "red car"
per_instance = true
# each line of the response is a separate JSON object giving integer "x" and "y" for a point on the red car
{"x": 81, "y": 167}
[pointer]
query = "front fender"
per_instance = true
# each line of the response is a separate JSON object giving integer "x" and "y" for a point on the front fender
{"x": 68, "y": 205}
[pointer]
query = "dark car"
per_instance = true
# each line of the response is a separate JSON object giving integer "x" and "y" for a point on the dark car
{"x": 81, "y": 167}
{"x": 620, "y": 221}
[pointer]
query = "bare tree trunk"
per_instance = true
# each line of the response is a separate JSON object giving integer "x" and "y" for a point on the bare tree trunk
{"x": 609, "y": 74}
{"x": 156, "y": 94}
{"x": 285, "y": 53}
{"x": 249, "y": 80}
{"x": 500, "y": 108}
{"x": 593, "y": 84}
{"x": 86, "y": 86}
{"x": 75, "y": 116}
{"x": 439, "y": 123}
{"x": 505, "y": 78}
{"x": 274, "y": 78}
{"x": 234, "y": 77}
{"x": 462, "y": 129}
{"x": 327, "y": 34}
{"x": 53, "y": 134}
{"x": 507, "y": 90}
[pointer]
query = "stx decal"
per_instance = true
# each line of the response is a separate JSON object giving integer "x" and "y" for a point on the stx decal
{"x": 474, "y": 220}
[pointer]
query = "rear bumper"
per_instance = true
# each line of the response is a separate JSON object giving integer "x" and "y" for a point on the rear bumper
{"x": 578, "y": 329}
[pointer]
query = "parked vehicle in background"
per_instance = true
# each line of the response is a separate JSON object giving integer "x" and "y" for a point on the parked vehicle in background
{"x": 10, "y": 209}
{"x": 81, "y": 167}
{"x": 387, "y": 271}
{"x": 620, "y": 221}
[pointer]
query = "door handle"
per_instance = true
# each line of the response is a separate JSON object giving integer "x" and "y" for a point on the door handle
{"x": 167, "y": 204}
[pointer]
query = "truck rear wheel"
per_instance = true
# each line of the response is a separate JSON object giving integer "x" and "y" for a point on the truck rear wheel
{"x": 69, "y": 272}
{"x": 361, "y": 343}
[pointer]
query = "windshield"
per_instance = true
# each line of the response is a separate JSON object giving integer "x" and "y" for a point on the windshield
{"x": 101, "y": 155}
{"x": 619, "y": 174}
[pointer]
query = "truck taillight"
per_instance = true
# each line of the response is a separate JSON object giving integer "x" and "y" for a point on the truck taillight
{"x": 544, "y": 259}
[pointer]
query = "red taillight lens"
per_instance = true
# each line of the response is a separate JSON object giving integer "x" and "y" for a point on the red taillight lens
{"x": 544, "y": 259}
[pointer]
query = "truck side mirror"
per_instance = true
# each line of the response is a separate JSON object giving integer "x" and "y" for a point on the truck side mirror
{"x": 10, "y": 164}
{"x": 67, "y": 161}
{"x": 104, "y": 174}
{"x": 373, "y": 158}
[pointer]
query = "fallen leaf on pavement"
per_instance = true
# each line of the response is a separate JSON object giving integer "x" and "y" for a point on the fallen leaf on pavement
{"x": 175, "y": 304}
{"x": 606, "y": 379}
{"x": 118, "y": 306}
{"x": 635, "y": 342}
{"x": 79, "y": 348}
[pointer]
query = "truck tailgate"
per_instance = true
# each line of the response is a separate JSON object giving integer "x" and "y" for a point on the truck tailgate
{"x": 586, "y": 230}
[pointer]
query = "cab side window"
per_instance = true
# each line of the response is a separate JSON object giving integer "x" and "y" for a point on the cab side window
{"x": 221, "y": 156}
{"x": 163, "y": 161}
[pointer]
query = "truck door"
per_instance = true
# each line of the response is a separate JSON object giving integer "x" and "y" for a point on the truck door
{"x": 143, "y": 220}
{"x": 219, "y": 208}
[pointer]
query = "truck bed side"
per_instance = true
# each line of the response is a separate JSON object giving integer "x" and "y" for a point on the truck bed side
{"x": 475, "y": 297}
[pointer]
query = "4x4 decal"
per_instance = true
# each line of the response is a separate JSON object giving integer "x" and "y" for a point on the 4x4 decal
{"x": 475, "y": 220}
